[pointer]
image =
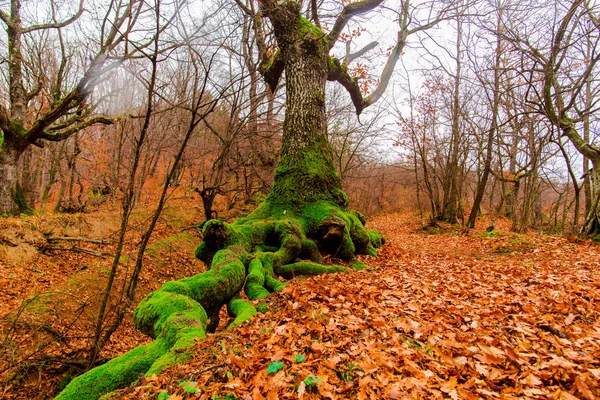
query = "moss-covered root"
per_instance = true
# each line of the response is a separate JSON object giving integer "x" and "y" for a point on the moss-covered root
{"x": 241, "y": 310}
{"x": 358, "y": 265}
{"x": 255, "y": 283}
{"x": 174, "y": 319}
{"x": 175, "y": 315}
{"x": 117, "y": 373}
{"x": 289, "y": 271}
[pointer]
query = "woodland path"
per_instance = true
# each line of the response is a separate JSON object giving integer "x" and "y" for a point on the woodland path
{"x": 446, "y": 315}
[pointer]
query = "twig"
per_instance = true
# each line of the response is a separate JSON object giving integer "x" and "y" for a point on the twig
{"x": 75, "y": 239}
{"x": 208, "y": 369}
{"x": 78, "y": 250}
{"x": 7, "y": 241}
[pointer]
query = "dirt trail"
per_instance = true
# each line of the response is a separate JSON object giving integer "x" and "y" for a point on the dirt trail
{"x": 451, "y": 315}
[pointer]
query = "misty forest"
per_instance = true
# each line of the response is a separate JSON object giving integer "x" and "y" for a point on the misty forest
{"x": 299, "y": 199}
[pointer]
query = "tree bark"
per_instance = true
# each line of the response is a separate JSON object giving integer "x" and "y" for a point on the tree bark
{"x": 9, "y": 157}
{"x": 592, "y": 223}
{"x": 306, "y": 172}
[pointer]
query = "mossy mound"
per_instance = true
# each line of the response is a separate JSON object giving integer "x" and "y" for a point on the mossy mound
{"x": 250, "y": 254}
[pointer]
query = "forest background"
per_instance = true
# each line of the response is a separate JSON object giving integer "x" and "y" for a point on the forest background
{"x": 123, "y": 110}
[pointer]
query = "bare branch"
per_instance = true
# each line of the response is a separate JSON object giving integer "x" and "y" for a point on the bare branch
{"x": 56, "y": 25}
{"x": 314, "y": 9}
{"x": 6, "y": 19}
{"x": 353, "y": 56}
{"x": 347, "y": 14}
{"x": 57, "y": 137}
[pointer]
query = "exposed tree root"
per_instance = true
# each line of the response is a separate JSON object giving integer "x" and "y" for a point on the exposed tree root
{"x": 249, "y": 254}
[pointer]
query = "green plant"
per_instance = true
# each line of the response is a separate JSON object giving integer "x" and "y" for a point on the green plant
{"x": 310, "y": 383}
{"x": 228, "y": 396}
{"x": 189, "y": 386}
{"x": 350, "y": 373}
{"x": 299, "y": 358}
{"x": 274, "y": 367}
{"x": 163, "y": 396}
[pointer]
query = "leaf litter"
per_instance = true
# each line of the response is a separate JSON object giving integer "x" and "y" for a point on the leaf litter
{"x": 452, "y": 315}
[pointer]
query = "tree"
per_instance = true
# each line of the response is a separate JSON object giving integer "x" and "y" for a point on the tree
{"x": 304, "y": 214}
{"x": 63, "y": 111}
{"x": 561, "y": 78}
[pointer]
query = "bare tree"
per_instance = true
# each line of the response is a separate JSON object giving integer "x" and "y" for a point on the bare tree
{"x": 562, "y": 79}
{"x": 65, "y": 111}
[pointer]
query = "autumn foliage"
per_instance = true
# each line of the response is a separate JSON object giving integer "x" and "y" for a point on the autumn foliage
{"x": 438, "y": 315}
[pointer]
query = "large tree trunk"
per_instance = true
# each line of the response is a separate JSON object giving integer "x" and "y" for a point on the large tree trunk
{"x": 306, "y": 172}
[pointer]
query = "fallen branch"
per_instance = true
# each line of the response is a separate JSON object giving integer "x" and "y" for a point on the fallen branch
{"x": 78, "y": 250}
{"x": 75, "y": 239}
{"x": 5, "y": 240}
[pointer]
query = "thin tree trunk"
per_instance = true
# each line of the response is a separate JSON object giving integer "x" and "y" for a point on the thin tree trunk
{"x": 452, "y": 187}
{"x": 491, "y": 133}
{"x": 9, "y": 175}
{"x": 128, "y": 202}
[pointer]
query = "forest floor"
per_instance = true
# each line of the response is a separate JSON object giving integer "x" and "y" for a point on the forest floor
{"x": 444, "y": 314}
{"x": 440, "y": 313}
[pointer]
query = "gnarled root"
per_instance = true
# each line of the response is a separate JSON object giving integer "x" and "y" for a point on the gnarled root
{"x": 249, "y": 254}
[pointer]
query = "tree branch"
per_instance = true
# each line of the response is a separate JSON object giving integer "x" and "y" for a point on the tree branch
{"x": 6, "y": 19}
{"x": 314, "y": 9}
{"x": 353, "y": 56}
{"x": 57, "y": 137}
{"x": 347, "y": 14}
{"x": 56, "y": 25}
{"x": 340, "y": 74}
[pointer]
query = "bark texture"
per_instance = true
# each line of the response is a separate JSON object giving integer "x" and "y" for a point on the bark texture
{"x": 9, "y": 178}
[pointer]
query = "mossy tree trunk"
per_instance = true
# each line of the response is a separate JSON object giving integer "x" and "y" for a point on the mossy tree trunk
{"x": 306, "y": 172}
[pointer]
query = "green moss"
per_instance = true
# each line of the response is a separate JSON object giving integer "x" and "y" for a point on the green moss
{"x": 358, "y": 265}
{"x": 17, "y": 128}
{"x": 180, "y": 351}
{"x": 262, "y": 308}
{"x": 305, "y": 27}
{"x": 21, "y": 202}
{"x": 242, "y": 310}
{"x": 155, "y": 311}
{"x": 310, "y": 251}
{"x": 115, "y": 374}
{"x": 273, "y": 284}
{"x": 376, "y": 238}
{"x": 289, "y": 271}
{"x": 203, "y": 253}
{"x": 267, "y": 65}
{"x": 304, "y": 179}
{"x": 256, "y": 281}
